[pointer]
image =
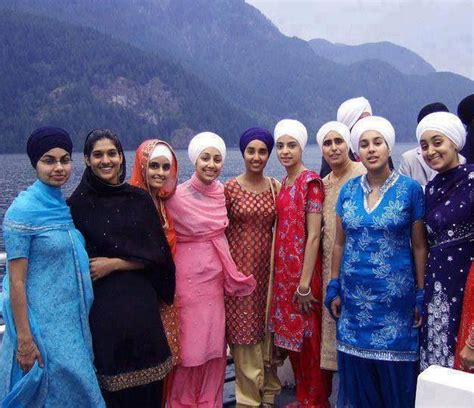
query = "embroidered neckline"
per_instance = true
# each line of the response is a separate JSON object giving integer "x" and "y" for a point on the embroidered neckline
{"x": 367, "y": 189}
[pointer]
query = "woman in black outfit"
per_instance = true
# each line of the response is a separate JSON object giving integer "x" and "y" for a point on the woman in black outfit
{"x": 132, "y": 271}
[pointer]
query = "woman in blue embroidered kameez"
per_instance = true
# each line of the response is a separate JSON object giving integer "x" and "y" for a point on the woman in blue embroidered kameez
{"x": 450, "y": 226}
{"x": 46, "y": 356}
{"x": 377, "y": 274}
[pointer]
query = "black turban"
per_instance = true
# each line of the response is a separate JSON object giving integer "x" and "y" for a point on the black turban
{"x": 431, "y": 108}
{"x": 466, "y": 109}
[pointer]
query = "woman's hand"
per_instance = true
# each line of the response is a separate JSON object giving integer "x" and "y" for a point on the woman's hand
{"x": 305, "y": 300}
{"x": 418, "y": 319}
{"x": 101, "y": 267}
{"x": 336, "y": 307}
{"x": 467, "y": 358}
{"x": 26, "y": 355}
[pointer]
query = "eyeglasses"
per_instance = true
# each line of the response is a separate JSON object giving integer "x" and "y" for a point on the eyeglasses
{"x": 51, "y": 161}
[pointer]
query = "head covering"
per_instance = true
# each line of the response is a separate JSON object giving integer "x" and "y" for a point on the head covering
{"x": 293, "y": 128}
{"x": 446, "y": 123}
{"x": 44, "y": 139}
{"x": 333, "y": 126}
{"x": 377, "y": 123}
{"x": 162, "y": 150}
{"x": 202, "y": 141}
{"x": 466, "y": 109}
{"x": 143, "y": 155}
{"x": 349, "y": 112}
{"x": 431, "y": 108}
{"x": 256, "y": 133}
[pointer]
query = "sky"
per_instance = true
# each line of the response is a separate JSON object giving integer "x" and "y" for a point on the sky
{"x": 440, "y": 31}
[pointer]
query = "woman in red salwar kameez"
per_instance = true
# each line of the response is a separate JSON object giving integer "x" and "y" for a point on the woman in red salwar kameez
{"x": 296, "y": 304}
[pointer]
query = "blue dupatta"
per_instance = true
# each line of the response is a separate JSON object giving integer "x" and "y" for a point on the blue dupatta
{"x": 39, "y": 209}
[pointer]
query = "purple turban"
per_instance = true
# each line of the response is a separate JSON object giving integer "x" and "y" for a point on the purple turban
{"x": 45, "y": 139}
{"x": 256, "y": 133}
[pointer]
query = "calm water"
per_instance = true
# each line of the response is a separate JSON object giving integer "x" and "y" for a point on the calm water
{"x": 16, "y": 173}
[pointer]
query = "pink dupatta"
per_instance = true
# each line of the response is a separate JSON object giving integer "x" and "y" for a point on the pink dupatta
{"x": 200, "y": 214}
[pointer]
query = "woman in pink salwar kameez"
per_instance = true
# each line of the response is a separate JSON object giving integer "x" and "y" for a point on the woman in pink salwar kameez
{"x": 204, "y": 272}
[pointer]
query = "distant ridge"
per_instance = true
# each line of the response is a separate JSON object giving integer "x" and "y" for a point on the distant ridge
{"x": 74, "y": 77}
{"x": 403, "y": 59}
{"x": 251, "y": 66}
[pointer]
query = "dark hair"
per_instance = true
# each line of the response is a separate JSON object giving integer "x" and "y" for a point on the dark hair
{"x": 98, "y": 134}
{"x": 431, "y": 108}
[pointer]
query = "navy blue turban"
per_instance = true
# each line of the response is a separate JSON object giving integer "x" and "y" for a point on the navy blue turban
{"x": 45, "y": 139}
{"x": 431, "y": 108}
{"x": 256, "y": 133}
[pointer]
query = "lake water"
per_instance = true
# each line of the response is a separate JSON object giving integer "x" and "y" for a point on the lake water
{"x": 16, "y": 172}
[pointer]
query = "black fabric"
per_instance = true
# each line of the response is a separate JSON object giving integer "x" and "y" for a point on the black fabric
{"x": 120, "y": 221}
{"x": 468, "y": 149}
{"x": 144, "y": 396}
{"x": 44, "y": 139}
{"x": 466, "y": 109}
{"x": 431, "y": 108}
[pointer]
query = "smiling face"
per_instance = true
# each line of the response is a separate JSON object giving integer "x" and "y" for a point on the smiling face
{"x": 158, "y": 172}
{"x": 54, "y": 167}
{"x": 335, "y": 150}
{"x": 105, "y": 161}
{"x": 256, "y": 156}
{"x": 209, "y": 165}
{"x": 289, "y": 151}
{"x": 438, "y": 151}
{"x": 373, "y": 151}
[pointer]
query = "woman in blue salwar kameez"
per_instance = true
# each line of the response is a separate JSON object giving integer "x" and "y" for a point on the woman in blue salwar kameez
{"x": 377, "y": 276}
{"x": 46, "y": 356}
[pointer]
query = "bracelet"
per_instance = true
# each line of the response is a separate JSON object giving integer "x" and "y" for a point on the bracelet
{"x": 303, "y": 294}
{"x": 25, "y": 353}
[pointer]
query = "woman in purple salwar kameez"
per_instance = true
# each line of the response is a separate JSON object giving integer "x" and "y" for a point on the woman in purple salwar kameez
{"x": 450, "y": 226}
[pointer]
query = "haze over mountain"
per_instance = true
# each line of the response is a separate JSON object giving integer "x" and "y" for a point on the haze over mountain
{"x": 255, "y": 69}
{"x": 401, "y": 58}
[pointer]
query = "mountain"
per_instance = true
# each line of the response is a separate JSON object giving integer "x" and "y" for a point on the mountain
{"x": 238, "y": 52}
{"x": 404, "y": 60}
{"x": 77, "y": 78}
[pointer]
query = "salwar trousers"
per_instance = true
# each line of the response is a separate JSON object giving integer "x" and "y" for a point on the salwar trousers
{"x": 313, "y": 384}
{"x": 254, "y": 383}
{"x": 200, "y": 386}
{"x": 366, "y": 383}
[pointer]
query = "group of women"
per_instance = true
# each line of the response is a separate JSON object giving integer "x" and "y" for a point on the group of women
{"x": 128, "y": 293}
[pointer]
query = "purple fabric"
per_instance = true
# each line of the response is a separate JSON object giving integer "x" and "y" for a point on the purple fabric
{"x": 44, "y": 139}
{"x": 450, "y": 226}
{"x": 256, "y": 133}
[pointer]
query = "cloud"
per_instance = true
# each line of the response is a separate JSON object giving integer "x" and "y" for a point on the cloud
{"x": 440, "y": 31}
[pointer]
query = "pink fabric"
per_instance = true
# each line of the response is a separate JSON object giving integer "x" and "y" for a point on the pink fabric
{"x": 198, "y": 386}
{"x": 204, "y": 269}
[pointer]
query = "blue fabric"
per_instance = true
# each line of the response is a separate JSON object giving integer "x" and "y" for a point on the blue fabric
{"x": 377, "y": 270}
{"x": 450, "y": 226}
{"x": 44, "y": 139}
{"x": 333, "y": 290}
{"x": 256, "y": 133}
{"x": 419, "y": 295}
{"x": 38, "y": 226}
{"x": 372, "y": 383}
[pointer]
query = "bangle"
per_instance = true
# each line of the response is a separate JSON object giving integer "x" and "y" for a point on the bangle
{"x": 25, "y": 353}
{"x": 303, "y": 294}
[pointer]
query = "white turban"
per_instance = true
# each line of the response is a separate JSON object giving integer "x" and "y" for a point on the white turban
{"x": 333, "y": 126}
{"x": 377, "y": 123}
{"x": 293, "y": 128}
{"x": 349, "y": 112}
{"x": 202, "y": 141}
{"x": 446, "y": 123}
{"x": 162, "y": 150}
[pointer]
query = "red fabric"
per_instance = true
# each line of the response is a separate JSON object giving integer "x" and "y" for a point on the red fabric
{"x": 313, "y": 384}
{"x": 466, "y": 328}
{"x": 288, "y": 323}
